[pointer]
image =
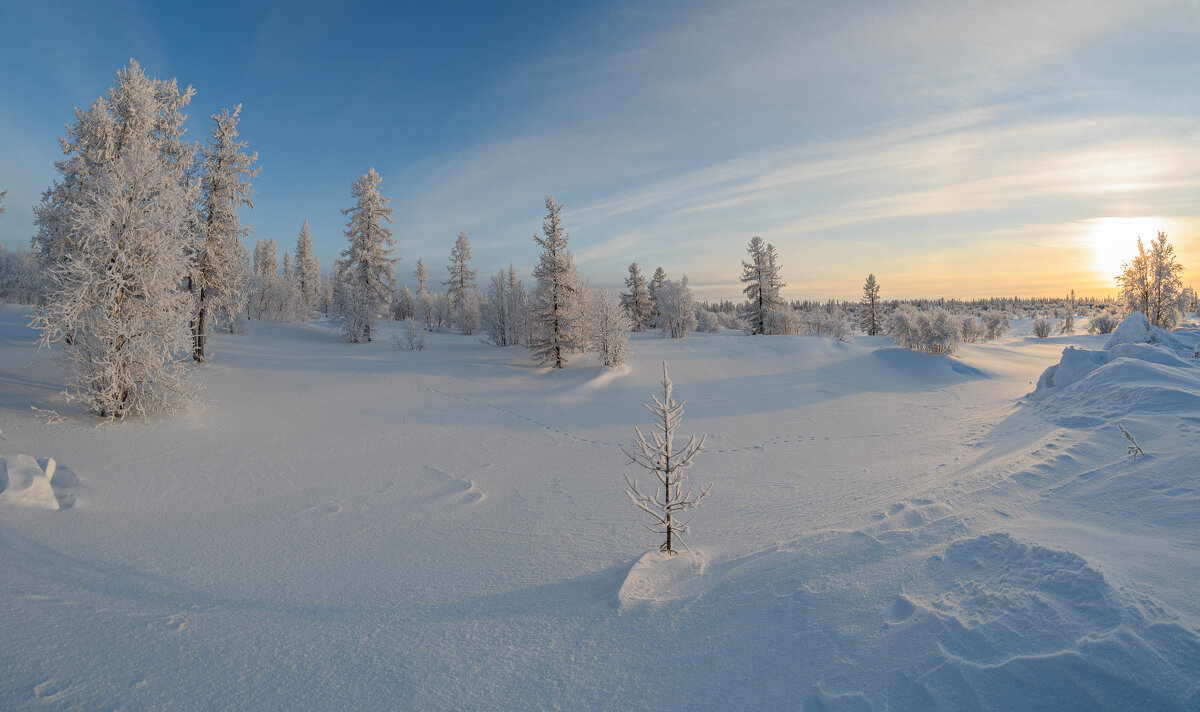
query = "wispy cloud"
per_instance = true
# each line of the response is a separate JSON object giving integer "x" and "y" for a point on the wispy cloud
{"x": 918, "y": 127}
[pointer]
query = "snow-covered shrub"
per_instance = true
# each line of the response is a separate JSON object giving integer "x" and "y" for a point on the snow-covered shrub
{"x": 972, "y": 330}
{"x": 783, "y": 320}
{"x": 940, "y": 331}
{"x": 1042, "y": 327}
{"x": 732, "y": 321}
{"x": 832, "y": 322}
{"x": 706, "y": 321}
{"x": 934, "y": 331}
{"x": 902, "y": 326}
{"x": 411, "y": 336}
{"x": 1103, "y": 323}
{"x": 995, "y": 325}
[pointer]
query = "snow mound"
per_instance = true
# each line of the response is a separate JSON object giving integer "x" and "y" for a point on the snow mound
{"x": 1140, "y": 365}
{"x": 1136, "y": 329}
{"x": 24, "y": 482}
{"x": 1037, "y": 628}
{"x": 656, "y": 578}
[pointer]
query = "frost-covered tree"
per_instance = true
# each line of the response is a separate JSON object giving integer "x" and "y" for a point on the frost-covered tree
{"x": 505, "y": 316}
{"x": 3, "y": 195}
{"x": 20, "y": 276}
{"x": 606, "y": 327}
{"x": 290, "y": 305}
{"x": 676, "y": 309}
{"x": 1166, "y": 284}
{"x": 266, "y": 288}
{"x": 137, "y": 109}
{"x": 1068, "y": 322}
{"x": 657, "y": 280}
{"x": 461, "y": 285}
{"x": 763, "y": 284}
{"x": 220, "y": 275}
{"x": 425, "y": 304}
{"x": 870, "y": 320}
{"x": 403, "y": 304}
{"x": 669, "y": 463}
{"x": 367, "y": 272}
{"x": 113, "y": 300}
{"x": 637, "y": 300}
{"x": 308, "y": 269}
{"x": 556, "y": 301}
{"x": 1134, "y": 281}
{"x": 1151, "y": 283}
{"x": 115, "y": 233}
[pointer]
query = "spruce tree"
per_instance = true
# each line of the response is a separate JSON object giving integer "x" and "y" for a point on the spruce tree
{"x": 308, "y": 269}
{"x": 637, "y": 300}
{"x": 461, "y": 285}
{"x": 763, "y": 284}
{"x": 368, "y": 272}
{"x": 220, "y": 275}
{"x": 556, "y": 301}
{"x": 869, "y": 319}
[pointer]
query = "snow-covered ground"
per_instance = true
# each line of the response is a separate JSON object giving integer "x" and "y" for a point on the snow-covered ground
{"x": 345, "y": 526}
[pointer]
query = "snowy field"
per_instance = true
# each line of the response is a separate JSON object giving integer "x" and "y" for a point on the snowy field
{"x": 344, "y": 526}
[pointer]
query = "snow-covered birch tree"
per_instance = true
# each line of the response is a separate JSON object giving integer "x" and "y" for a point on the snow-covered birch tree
{"x": 461, "y": 284}
{"x": 220, "y": 275}
{"x": 265, "y": 287}
{"x": 1166, "y": 284}
{"x": 637, "y": 300}
{"x": 556, "y": 301}
{"x": 425, "y": 304}
{"x": 659, "y": 455}
{"x": 870, "y": 320}
{"x": 676, "y": 309}
{"x": 606, "y": 327}
{"x": 763, "y": 283}
{"x": 367, "y": 271}
{"x": 1134, "y": 281}
{"x": 505, "y": 314}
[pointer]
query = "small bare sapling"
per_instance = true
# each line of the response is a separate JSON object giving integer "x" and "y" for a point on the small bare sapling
{"x": 1134, "y": 448}
{"x": 659, "y": 455}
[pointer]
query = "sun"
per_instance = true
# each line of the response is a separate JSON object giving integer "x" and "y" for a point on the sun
{"x": 1113, "y": 241}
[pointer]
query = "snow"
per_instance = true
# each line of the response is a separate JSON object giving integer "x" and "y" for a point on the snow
{"x": 349, "y": 526}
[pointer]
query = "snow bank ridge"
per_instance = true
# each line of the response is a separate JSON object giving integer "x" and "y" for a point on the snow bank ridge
{"x": 1134, "y": 349}
{"x": 36, "y": 483}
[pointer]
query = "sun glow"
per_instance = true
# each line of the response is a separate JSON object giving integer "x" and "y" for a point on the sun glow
{"x": 1113, "y": 241}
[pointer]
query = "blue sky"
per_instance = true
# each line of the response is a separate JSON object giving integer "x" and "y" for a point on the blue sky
{"x": 951, "y": 148}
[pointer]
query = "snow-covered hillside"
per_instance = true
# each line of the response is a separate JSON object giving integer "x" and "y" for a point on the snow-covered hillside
{"x": 341, "y": 526}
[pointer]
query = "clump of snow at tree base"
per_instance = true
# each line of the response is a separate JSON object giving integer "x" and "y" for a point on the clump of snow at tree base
{"x": 356, "y": 527}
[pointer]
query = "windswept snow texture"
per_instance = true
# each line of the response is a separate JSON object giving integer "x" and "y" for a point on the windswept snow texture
{"x": 342, "y": 526}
